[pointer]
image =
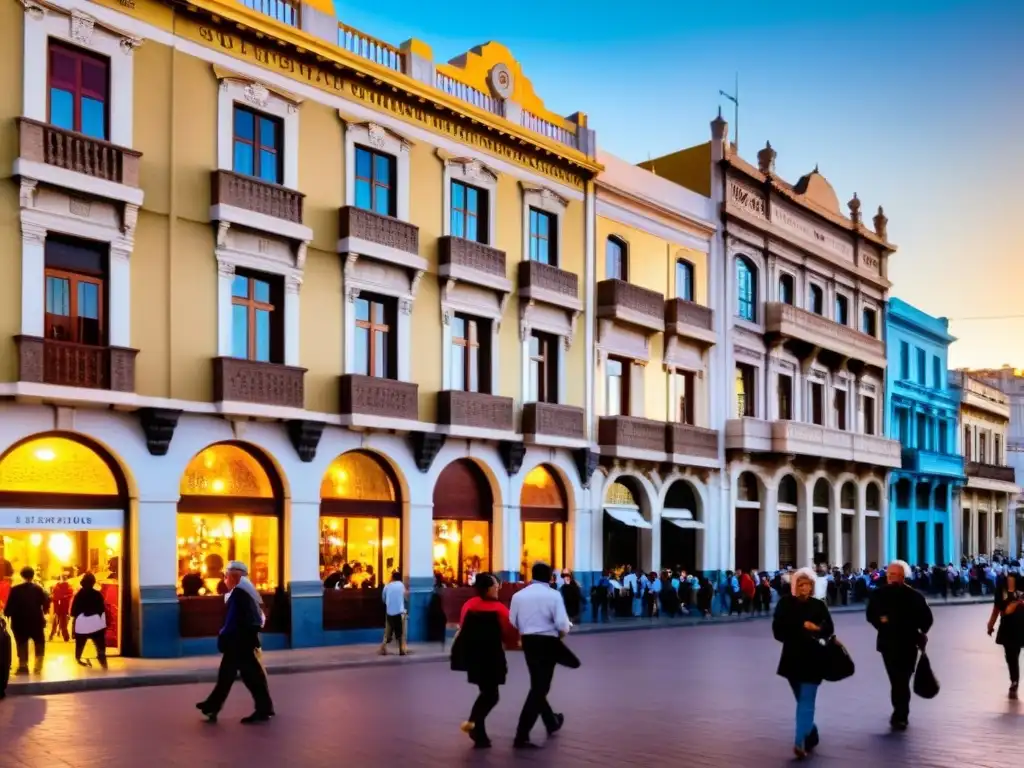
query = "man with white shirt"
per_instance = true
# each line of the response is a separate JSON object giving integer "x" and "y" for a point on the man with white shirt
{"x": 630, "y": 583}
{"x": 538, "y": 612}
{"x": 394, "y": 595}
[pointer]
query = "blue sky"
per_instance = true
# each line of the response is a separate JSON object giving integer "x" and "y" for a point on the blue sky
{"x": 918, "y": 106}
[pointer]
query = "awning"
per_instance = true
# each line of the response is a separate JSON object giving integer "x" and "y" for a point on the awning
{"x": 686, "y": 524}
{"x": 677, "y": 514}
{"x": 629, "y": 515}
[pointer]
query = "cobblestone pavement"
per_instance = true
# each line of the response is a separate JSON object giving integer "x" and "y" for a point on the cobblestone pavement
{"x": 675, "y": 697}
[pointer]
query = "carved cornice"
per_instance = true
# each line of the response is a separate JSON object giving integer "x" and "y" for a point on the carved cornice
{"x": 305, "y": 436}
{"x": 158, "y": 424}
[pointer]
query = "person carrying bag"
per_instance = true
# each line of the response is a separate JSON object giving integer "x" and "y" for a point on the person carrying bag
{"x": 89, "y": 613}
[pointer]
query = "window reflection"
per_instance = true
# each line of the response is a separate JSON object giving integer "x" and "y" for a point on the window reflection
{"x": 208, "y": 542}
{"x": 462, "y": 549}
{"x": 359, "y": 552}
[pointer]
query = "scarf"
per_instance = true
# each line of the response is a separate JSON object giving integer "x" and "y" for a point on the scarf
{"x": 250, "y": 589}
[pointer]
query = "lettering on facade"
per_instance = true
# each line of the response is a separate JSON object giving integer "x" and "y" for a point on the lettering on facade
{"x": 336, "y": 82}
{"x": 747, "y": 199}
{"x": 52, "y": 521}
{"x": 782, "y": 217}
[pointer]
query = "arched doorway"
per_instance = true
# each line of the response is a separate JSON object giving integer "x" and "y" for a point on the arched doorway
{"x": 63, "y": 513}
{"x": 463, "y": 506}
{"x": 848, "y": 509}
{"x": 821, "y": 506}
{"x": 626, "y": 530}
{"x": 360, "y": 539}
{"x": 544, "y": 513}
{"x": 872, "y": 525}
{"x": 230, "y": 509}
{"x": 788, "y": 510}
{"x": 748, "y": 522}
{"x": 681, "y": 528}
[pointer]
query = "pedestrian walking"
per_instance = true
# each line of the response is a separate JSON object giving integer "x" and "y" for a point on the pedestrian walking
{"x": 61, "y": 596}
{"x": 902, "y": 617}
{"x": 801, "y": 623}
{"x": 394, "y": 595}
{"x": 239, "y": 644}
{"x": 26, "y": 607}
{"x": 538, "y": 614}
{"x": 5, "y": 657}
{"x": 572, "y": 596}
{"x": 437, "y": 622}
{"x": 1008, "y": 610}
{"x": 89, "y": 613}
{"x": 485, "y": 633}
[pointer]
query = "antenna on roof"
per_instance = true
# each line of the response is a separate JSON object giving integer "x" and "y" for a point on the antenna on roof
{"x": 734, "y": 97}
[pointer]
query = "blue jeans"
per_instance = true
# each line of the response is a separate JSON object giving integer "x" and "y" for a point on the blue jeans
{"x": 638, "y": 606}
{"x": 805, "y": 694}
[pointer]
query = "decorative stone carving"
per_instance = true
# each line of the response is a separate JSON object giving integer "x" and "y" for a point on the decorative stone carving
{"x": 373, "y": 396}
{"x": 766, "y": 160}
{"x": 305, "y": 437}
{"x": 129, "y": 220}
{"x": 475, "y": 409}
{"x": 251, "y": 381}
{"x": 632, "y": 432}
{"x": 256, "y": 94}
{"x": 425, "y": 447}
{"x": 881, "y": 224}
{"x": 27, "y": 193}
{"x": 82, "y": 27}
{"x": 512, "y": 454}
{"x": 293, "y": 284}
{"x": 158, "y": 424}
{"x": 225, "y": 268}
{"x": 300, "y": 254}
{"x": 33, "y": 233}
{"x": 251, "y": 194}
{"x": 34, "y": 11}
{"x": 79, "y": 207}
{"x": 376, "y": 135}
{"x": 129, "y": 44}
{"x": 405, "y": 306}
{"x": 586, "y": 464}
{"x": 854, "y": 206}
{"x": 554, "y": 420}
{"x": 383, "y": 230}
{"x": 501, "y": 81}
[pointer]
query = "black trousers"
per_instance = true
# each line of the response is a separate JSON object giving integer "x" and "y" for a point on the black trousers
{"x": 485, "y": 702}
{"x": 899, "y": 665}
{"x": 21, "y": 641}
{"x": 244, "y": 662}
{"x": 598, "y": 609}
{"x": 541, "y": 653}
{"x": 99, "y": 640}
{"x": 1012, "y": 653}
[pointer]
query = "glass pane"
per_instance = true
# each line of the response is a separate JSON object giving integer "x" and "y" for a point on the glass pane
{"x": 533, "y": 222}
{"x": 362, "y": 351}
{"x": 63, "y": 67}
{"x": 243, "y": 158}
{"x": 380, "y": 353}
{"x": 363, "y": 163}
{"x": 542, "y": 223}
{"x": 533, "y": 395}
{"x": 58, "y": 296}
{"x": 263, "y": 335}
{"x": 268, "y": 133}
{"x": 94, "y": 78}
{"x": 536, "y": 547}
{"x": 458, "y": 223}
{"x": 240, "y": 287}
{"x": 476, "y": 549}
{"x": 471, "y": 233}
{"x": 614, "y": 395}
{"x": 614, "y": 367}
{"x": 362, "y": 310}
{"x": 89, "y": 301}
{"x": 243, "y": 124}
{"x": 458, "y": 367}
{"x": 62, "y": 109}
{"x": 534, "y": 346}
{"x": 332, "y": 552}
{"x": 94, "y": 118}
{"x": 447, "y": 537}
{"x": 268, "y": 166}
{"x": 382, "y": 201}
{"x": 559, "y": 554}
{"x": 256, "y": 544}
{"x": 204, "y": 550}
{"x": 391, "y": 546}
{"x": 458, "y": 328}
{"x": 458, "y": 195}
{"x": 239, "y": 332}
{"x": 474, "y": 370}
{"x": 378, "y": 313}
{"x": 363, "y": 194}
{"x": 382, "y": 169}
{"x": 262, "y": 291}
{"x": 363, "y": 549}
{"x": 534, "y": 251}
{"x": 471, "y": 201}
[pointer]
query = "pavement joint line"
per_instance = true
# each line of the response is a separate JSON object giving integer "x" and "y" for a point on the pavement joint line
{"x": 191, "y": 677}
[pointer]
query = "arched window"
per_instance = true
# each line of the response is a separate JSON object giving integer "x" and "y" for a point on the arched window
{"x": 848, "y": 496}
{"x": 787, "y": 491}
{"x": 684, "y": 280}
{"x": 874, "y": 498}
{"x": 747, "y": 489}
{"x": 544, "y": 515}
{"x": 787, "y": 288}
{"x": 822, "y": 494}
{"x": 615, "y": 258}
{"x": 817, "y": 300}
{"x": 746, "y": 289}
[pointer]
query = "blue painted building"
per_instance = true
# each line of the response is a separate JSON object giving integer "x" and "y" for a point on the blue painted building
{"x": 923, "y": 414}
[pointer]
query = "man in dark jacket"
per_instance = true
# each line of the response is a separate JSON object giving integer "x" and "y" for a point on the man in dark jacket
{"x": 902, "y": 617}
{"x": 26, "y": 608}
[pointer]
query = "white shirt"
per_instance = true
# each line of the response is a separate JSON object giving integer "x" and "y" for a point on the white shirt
{"x": 629, "y": 582}
{"x": 394, "y": 598}
{"x": 538, "y": 610}
{"x": 821, "y": 588}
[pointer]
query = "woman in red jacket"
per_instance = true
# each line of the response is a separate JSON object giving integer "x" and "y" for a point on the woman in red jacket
{"x": 747, "y": 588}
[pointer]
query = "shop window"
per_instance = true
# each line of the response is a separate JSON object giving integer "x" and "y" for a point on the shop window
{"x": 543, "y": 512}
{"x": 376, "y": 352}
{"x": 78, "y": 90}
{"x": 471, "y": 354}
{"x": 359, "y": 552}
{"x": 375, "y": 182}
{"x": 208, "y": 542}
{"x": 615, "y": 263}
{"x": 617, "y": 386}
{"x": 56, "y": 465}
{"x": 258, "y": 140}
{"x": 787, "y": 288}
{"x": 746, "y": 289}
{"x": 543, "y": 237}
{"x": 469, "y": 212}
{"x": 684, "y": 280}
{"x": 257, "y": 317}
{"x": 543, "y": 379}
{"x": 543, "y": 542}
{"x": 462, "y": 549}
{"x": 76, "y": 291}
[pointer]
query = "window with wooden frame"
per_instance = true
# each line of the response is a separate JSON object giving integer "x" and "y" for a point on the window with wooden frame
{"x": 684, "y": 280}
{"x": 376, "y": 352}
{"x": 746, "y": 395}
{"x": 543, "y": 237}
{"x": 746, "y": 289}
{"x": 617, "y": 386}
{"x": 471, "y": 359}
{"x": 257, "y": 145}
{"x": 469, "y": 213}
{"x": 257, "y": 317}
{"x": 79, "y": 90}
{"x": 75, "y": 291}
{"x": 615, "y": 260}
{"x": 685, "y": 394}
{"x": 375, "y": 182}
{"x": 543, "y": 368}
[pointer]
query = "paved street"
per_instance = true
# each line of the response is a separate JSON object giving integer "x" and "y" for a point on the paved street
{"x": 670, "y": 697}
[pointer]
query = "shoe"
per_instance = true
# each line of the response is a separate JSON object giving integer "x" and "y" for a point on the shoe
{"x": 898, "y": 725}
{"x": 480, "y": 740}
{"x": 382, "y": 652}
{"x": 1013, "y": 692}
{"x": 812, "y": 740}
{"x": 21, "y": 671}
{"x": 84, "y": 662}
{"x": 403, "y": 653}
{"x": 257, "y": 717}
{"x": 523, "y": 744}
{"x": 559, "y": 722}
{"x": 468, "y": 726}
{"x": 800, "y": 753}
{"x": 211, "y": 717}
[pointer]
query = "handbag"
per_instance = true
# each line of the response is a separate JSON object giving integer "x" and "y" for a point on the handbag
{"x": 837, "y": 662}
{"x": 87, "y": 625}
{"x": 926, "y": 685}
{"x": 566, "y": 658}
{"x": 457, "y": 653}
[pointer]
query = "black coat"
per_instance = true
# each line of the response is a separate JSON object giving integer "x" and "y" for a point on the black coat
{"x": 26, "y": 608}
{"x": 573, "y": 598}
{"x": 479, "y": 651}
{"x": 242, "y": 624}
{"x": 908, "y": 617}
{"x": 803, "y": 657}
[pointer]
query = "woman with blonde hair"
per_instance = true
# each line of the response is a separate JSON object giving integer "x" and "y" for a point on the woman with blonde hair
{"x": 802, "y": 624}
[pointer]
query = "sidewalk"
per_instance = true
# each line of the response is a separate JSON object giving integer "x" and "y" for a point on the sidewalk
{"x": 63, "y": 675}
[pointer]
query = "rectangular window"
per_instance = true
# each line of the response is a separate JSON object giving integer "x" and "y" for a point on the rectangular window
{"x": 786, "y": 289}
{"x": 375, "y": 337}
{"x": 684, "y": 280}
{"x": 922, "y": 368}
{"x": 543, "y": 542}
{"x": 817, "y": 300}
{"x": 839, "y": 405}
{"x": 256, "y": 318}
{"x": 366, "y": 545}
{"x": 869, "y": 415}
{"x": 257, "y": 145}
{"x": 869, "y": 322}
{"x": 75, "y": 291}
{"x": 981, "y": 449}
{"x": 997, "y": 451}
{"x": 253, "y": 539}
{"x": 469, "y": 212}
{"x": 904, "y": 360}
{"x": 617, "y": 387}
{"x": 375, "y": 182}
{"x": 785, "y": 397}
{"x": 543, "y": 237}
{"x": 471, "y": 360}
{"x": 922, "y": 432}
{"x": 943, "y": 439}
{"x": 746, "y": 394}
{"x": 968, "y": 452}
{"x": 936, "y": 372}
{"x": 842, "y": 309}
{"x": 817, "y": 403}
{"x": 79, "y": 90}
{"x": 684, "y": 382}
{"x": 543, "y": 368}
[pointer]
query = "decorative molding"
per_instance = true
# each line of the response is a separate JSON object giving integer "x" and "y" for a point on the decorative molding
{"x": 586, "y": 464}
{"x": 158, "y": 424}
{"x": 28, "y": 190}
{"x": 225, "y": 268}
{"x": 512, "y": 453}
{"x": 425, "y": 447}
{"x": 129, "y": 220}
{"x": 33, "y": 10}
{"x": 257, "y": 94}
{"x": 129, "y": 44}
{"x": 82, "y": 27}
{"x": 405, "y": 305}
{"x": 293, "y": 284}
{"x": 33, "y": 233}
{"x": 376, "y": 136}
{"x": 546, "y": 194}
{"x": 222, "y": 233}
{"x": 305, "y": 436}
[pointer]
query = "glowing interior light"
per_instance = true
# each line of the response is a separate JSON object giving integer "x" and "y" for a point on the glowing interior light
{"x": 60, "y": 546}
{"x": 243, "y": 525}
{"x": 112, "y": 540}
{"x": 46, "y": 454}
{"x": 440, "y": 551}
{"x": 218, "y": 486}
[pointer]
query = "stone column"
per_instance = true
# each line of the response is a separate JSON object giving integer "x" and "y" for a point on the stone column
{"x": 991, "y": 520}
{"x": 418, "y": 562}
{"x": 911, "y": 553}
{"x": 119, "y": 306}
{"x": 974, "y": 524}
{"x": 835, "y": 526}
{"x": 954, "y": 519}
{"x": 885, "y": 541}
{"x": 770, "y": 529}
{"x": 859, "y": 546}
{"x": 154, "y": 536}
{"x": 291, "y": 321}
{"x": 805, "y": 527}
{"x": 304, "y": 585}
{"x": 33, "y": 282}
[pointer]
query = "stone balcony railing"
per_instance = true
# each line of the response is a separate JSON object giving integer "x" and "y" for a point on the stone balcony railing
{"x": 932, "y": 462}
{"x": 458, "y": 408}
{"x": 631, "y": 304}
{"x": 253, "y": 381}
{"x": 791, "y": 323}
{"x": 631, "y": 432}
{"x": 363, "y": 225}
{"x": 690, "y": 320}
{"x": 801, "y": 439}
{"x": 554, "y": 420}
{"x": 255, "y": 195}
{"x": 990, "y": 472}
{"x": 550, "y": 285}
{"x": 384, "y": 398}
{"x": 687, "y": 440}
{"x": 67, "y": 364}
{"x": 71, "y": 151}
{"x": 472, "y": 262}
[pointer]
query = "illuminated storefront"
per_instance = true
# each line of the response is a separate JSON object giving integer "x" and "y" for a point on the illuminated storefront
{"x": 462, "y": 524}
{"x": 230, "y": 509}
{"x": 544, "y": 514}
{"x": 627, "y": 533}
{"x": 62, "y": 513}
{"x": 360, "y": 539}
